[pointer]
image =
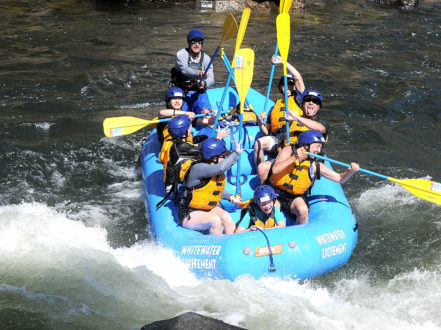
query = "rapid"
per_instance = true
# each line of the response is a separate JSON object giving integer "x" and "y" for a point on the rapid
{"x": 75, "y": 247}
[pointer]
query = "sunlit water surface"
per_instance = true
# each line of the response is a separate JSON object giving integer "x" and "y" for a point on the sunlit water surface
{"x": 75, "y": 248}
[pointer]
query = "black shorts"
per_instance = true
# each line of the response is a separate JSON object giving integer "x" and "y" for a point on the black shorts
{"x": 183, "y": 212}
{"x": 286, "y": 200}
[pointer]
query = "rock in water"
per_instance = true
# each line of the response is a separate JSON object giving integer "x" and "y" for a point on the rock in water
{"x": 191, "y": 321}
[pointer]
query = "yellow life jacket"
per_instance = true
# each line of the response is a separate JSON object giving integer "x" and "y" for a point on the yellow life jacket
{"x": 295, "y": 129}
{"x": 207, "y": 195}
{"x": 249, "y": 115}
{"x": 176, "y": 173}
{"x": 295, "y": 178}
{"x": 250, "y": 206}
{"x": 276, "y": 119}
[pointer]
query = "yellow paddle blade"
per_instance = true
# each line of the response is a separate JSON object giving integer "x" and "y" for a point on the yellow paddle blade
{"x": 229, "y": 29}
{"x": 242, "y": 27}
{"x": 283, "y": 37}
{"x": 117, "y": 126}
{"x": 425, "y": 189}
{"x": 284, "y": 6}
{"x": 243, "y": 72}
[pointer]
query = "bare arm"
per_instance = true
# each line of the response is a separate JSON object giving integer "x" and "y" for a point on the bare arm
{"x": 310, "y": 123}
{"x": 298, "y": 80}
{"x": 264, "y": 128}
{"x": 166, "y": 113}
{"x": 285, "y": 158}
{"x": 338, "y": 177}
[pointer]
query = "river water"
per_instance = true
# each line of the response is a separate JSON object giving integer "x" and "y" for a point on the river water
{"x": 75, "y": 248}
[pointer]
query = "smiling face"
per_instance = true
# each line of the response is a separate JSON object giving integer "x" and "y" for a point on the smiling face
{"x": 266, "y": 207}
{"x": 196, "y": 45}
{"x": 176, "y": 103}
{"x": 311, "y": 106}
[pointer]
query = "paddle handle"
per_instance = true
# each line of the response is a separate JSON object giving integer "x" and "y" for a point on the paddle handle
{"x": 270, "y": 82}
{"x": 211, "y": 62}
{"x": 347, "y": 165}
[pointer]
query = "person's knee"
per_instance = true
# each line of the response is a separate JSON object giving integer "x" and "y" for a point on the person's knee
{"x": 262, "y": 170}
{"x": 215, "y": 224}
{"x": 299, "y": 208}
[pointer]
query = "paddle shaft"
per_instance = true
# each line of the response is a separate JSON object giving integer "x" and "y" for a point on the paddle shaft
{"x": 211, "y": 62}
{"x": 286, "y": 107}
{"x": 270, "y": 82}
{"x": 224, "y": 93}
{"x": 381, "y": 176}
{"x": 432, "y": 193}
{"x": 222, "y": 101}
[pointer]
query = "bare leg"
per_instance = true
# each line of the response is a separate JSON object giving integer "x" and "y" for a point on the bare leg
{"x": 258, "y": 152}
{"x": 226, "y": 219}
{"x": 200, "y": 220}
{"x": 263, "y": 170}
{"x": 300, "y": 209}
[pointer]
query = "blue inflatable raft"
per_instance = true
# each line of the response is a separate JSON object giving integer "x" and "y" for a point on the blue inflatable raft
{"x": 297, "y": 251}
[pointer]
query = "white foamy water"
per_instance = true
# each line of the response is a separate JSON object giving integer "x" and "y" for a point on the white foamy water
{"x": 57, "y": 265}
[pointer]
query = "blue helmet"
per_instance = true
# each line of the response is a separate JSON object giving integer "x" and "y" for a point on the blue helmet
{"x": 310, "y": 136}
{"x": 289, "y": 77}
{"x": 264, "y": 194}
{"x": 195, "y": 34}
{"x": 289, "y": 80}
{"x": 179, "y": 125}
{"x": 314, "y": 94}
{"x": 174, "y": 92}
{"x": 213, "y": 147}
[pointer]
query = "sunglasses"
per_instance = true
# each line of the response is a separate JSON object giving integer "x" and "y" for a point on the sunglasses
{"x": 194, "y": 42}
{"x": 312, "y": 99}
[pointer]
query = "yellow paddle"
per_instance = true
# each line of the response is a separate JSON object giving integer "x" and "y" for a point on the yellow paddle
{"x": 240, "y": 34}
{"x": 425, "y": 189}
{"x": 284, "y": 6}
{"x": 228, "y": 31}
{"x": 242, "y": 27}
{"x": 117, "y": 126}
{"x": 243, "y": 74}
{"x": 283, "y": 40}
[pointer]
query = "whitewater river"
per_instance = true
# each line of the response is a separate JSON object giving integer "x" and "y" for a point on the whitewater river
{"x": 75, "y": 248}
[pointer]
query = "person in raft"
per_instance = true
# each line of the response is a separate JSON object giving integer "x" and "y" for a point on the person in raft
{"x": 204, "y": 188}
{"x": 179, "y": 152}
{"x": 308, "y": 120}
{"x": 261, "y": 212}
{"x": 176, "y": 105}
{"x": 190, "y": 67}
{"x": 294, "y": 173}
{"x": 274, "y": 127}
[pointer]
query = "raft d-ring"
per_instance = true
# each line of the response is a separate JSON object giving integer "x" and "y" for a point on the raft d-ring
{"x": 242, "y": 179}
{"x": 292, "y": 244}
